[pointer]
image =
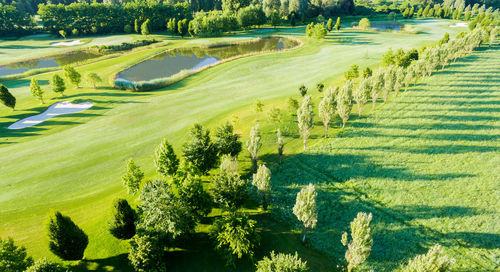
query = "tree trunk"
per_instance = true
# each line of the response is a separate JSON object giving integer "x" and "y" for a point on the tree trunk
{"x": 343, "y": 124}
{"x": 281, "y": 158}
{"x": 254, "y": 165}
{"x": 326, "y": 130}
{"x": 305, "y": 144}
{"x": 360, "y": 109}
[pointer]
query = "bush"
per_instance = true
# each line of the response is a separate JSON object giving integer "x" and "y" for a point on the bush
{"x": 251, "y": 16}
{"x": 123, "y": 46}
{"x": 364, "y": 24}
{"x": 146, "y": 254}
{"x": 282, "y": 263}
{"x": 66, "y": 239}
{"x": 128, "y": 29}
{"x": 12, "y": 257}
{"x": 46, "y": 266}
{"x": 212, "y": 23}
{"x": 122, "y": 224}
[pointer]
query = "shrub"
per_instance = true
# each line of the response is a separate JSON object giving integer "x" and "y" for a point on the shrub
{"x": 46, "y": 266}
{"x": 128, "y": 29}
{"x": 282, "y": 263}
{"x": 66, "y": 239}
{"x": 146, "y": 254}
{"x": 364, "y": 23}
{"x": 12, "y": 257}
{"x": 122, "y": 224}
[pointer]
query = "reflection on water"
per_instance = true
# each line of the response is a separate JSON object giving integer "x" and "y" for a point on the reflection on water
{"x": 49, "y": 62}
{"x": 387, "y": 26}
{"x": 174, "y": 61}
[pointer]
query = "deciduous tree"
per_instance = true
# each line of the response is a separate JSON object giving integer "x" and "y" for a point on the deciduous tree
{"x": 362, "y": 93}
{"x": 281, "y": 145}
{"x": 344, "y": 102}
{"x": 166, "y": 161}
{"x": 305, "y": 119}
{"x": 13, "y": 258}
{"x": 228, "y": 189}
{"x": 327, "y": 109}
{"x": 146, "y": 27}
{"x": 200, "y": 151}
{"x": 282, "y": 263}
{"x": 46, "y": 266}
{"x": 433, "y": 261}
{"x": 133, "y": 177}
{"x": 36, "y": 90}
{"x": 254, "y": 144}
{"x": 72, "y": 75}
{"x": 359, "y": 248}
{"x": 93, "y": 79}
{"x": 227, "y": 141}
{"x": 305, "y": 208}
{"x": 262, "y": 180}
{"x": 147, "y": 254}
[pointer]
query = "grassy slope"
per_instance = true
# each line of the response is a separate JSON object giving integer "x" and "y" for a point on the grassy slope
{"x": 80, "y": 173}
{"x": 425, "y": 164}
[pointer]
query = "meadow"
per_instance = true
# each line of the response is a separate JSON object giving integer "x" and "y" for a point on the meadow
{"x": 404, "y": 162}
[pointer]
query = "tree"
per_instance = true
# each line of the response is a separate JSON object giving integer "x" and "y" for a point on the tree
{"x": 388, "y": 58}
{"x": 337, "y": 24}
{"x": 147, "y": 253}
{"x": 319, "y": 31}
{"x": 320, "y": 86}
{"x": 200, "y": 151}
{"x": 389, "y": 79}
{"x": 62, "y": 33}
{"x": 305, "y": 119}
{"x": 282, "y": 263}
{"x": 227, "y": 141}
{"x": 275, "y": 18}
{"x": 364, "y": 23}
{"x": 228, "y": 189}
{"x": 329, "y": 25}
{"x": 400, "y": 77}
{"x": 72, "y": 75}
{"x": 66, "y": 239}
{"x": 93, "y": 79}
{"x": 275, "y": 117}
{"x": 6, "y": 98}
{"x": 359, "y": 248}
{"x": 258, "y": 106}
{"x": 377, "y": 85}
{"x": 433, "y": 261}
{"x": 36, "y": 90}
{"x": 303, "y": 90}
{"x": 122, "y": 224}
{"x": 281, "y": 145}
{"x": 58, "y": 85}
{"x": 445, "y": 39}
{"x": 254, "y": 144}
{"x": 327, "y": 109}
{"x": 146, "y": 28}
{"x": 305, "y": 208}
{"x": 163, "y": 211}
{"x": 194, "y": 196}
{"x": 236, "y": 236}
{"x": 361, "y": 94}
{"x": 262, "y": 180}
{"x": 292, "y": 18}
{"x": 293, "y": 105}
{"x": 137, "y": 26}
{"x": 367, "y": 72}
{"x": 75, "y": 32}
{"x": 172, "y": 26}
{"x": 166, "y": 162}
{"x": 133, "y": 177}
{"x": 46, "y": 266}
{"x": 352, "y": 73}
{"x": 182, "y": 27}
{"x": 344, "y": 102}
{"x": 12, "y": 257}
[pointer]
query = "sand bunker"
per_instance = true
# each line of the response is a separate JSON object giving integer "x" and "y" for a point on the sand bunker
{"x": 459, "y": 25}
{"x": 71, "y": 43}
{"x": 56, "y": 109}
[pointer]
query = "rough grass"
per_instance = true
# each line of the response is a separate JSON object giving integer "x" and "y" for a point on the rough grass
{"x": 426, "y": 164}
{"x": 74, "y": 163}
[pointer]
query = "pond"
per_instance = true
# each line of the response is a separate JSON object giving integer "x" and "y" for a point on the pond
{"x": 48, "y": 62}
{"x": 174, "y": 61}
{"x": 387, "y": 26}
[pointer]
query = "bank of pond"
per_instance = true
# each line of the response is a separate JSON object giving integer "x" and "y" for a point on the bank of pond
{"x": 175, "y": 64}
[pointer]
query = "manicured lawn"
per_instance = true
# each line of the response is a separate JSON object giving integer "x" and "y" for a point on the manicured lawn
{"x": 73, "y": 163}
{"x": 426, "y": 164}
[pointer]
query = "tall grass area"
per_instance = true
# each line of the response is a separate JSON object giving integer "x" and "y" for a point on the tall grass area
{"x": 426, "y": 164}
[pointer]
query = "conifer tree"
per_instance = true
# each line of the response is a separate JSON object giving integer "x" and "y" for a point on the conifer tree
{"x": 66, "y": 239}
{"x": 133, "y": 177}
{"x": 6, "y": 98}
{"x": 166, "y": 162}
{"x": 122, "y": 224}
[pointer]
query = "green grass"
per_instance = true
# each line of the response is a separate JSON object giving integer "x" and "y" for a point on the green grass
{"x": 426, "y": 164}
{"x": 73, "y": 163}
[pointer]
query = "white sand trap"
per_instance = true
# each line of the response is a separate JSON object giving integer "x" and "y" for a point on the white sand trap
{"x": 56, "y": 109}
{"x": 462, "y": 24}
{"x": 71, "y": 43}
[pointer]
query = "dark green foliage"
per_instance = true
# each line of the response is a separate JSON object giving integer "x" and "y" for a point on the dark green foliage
{"x": 303, "y": 90}
{"x": 292, "y": 19}
{"x": 226, "y": 141}
{"x": 275, "y": 18}
{"x": 388, "y": 58}
{"x": 194, "y": 196}
{"x": 182, "y": 27}
{"x": 166, "y": 161}
{"x": 66, "y": 239}
{"x": 46, "y": 266}
{"x": 445, "y": 39}
{"x": 13, "y": 21}
{"x": 76, "y": 16}
{"x": 165, "y": 212}
{"x": 72, "y": 75}
{"x": 213, "y": 23}
{"x": 235, "y": 236}
{"x": 172, "y": 26}
{"x": 293, "y": 105}
{"x": 12, "y": 257}
{"x": 58, "y": 85}
{"x": 320, "y": 87}
{"x": 329, "y": 25}
{"x": 282, "y": 263}
{"x": 122, "y": 224}
{"x": 251, "y": 16}
{"x": 310, "y": 30}
{"x": 200, "y": 151}
{"x": 147, "y": 254}
{"x": 133, "y": 177}
{"x": 367, "y": 72}
{"x": 6, "y": 97}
